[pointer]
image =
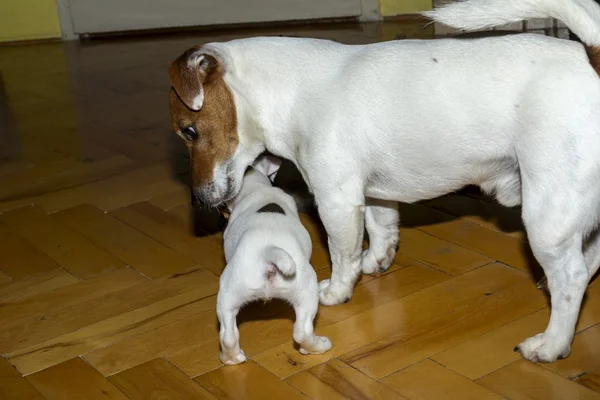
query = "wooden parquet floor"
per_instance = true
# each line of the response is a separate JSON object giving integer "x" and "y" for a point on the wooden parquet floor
{"x": 106, "y": 293}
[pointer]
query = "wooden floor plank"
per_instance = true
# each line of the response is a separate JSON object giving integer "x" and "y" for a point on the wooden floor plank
{"x": 495, "y": 245}
{"x": 160, "y": 342}
{"x": 35, "y": 285}
{"x": 199, "y": 221}
{"x": 4, "y": 280}
{"x": 171, "y": 231}
{"x": 591, "y": 381}
{"x": 486, "y": 353}
{"x": 158, "y": 379}
{"x": 246, "y": 381}
{"x": 35, "y": 179}
{"x": 489, "y": 215}
{"x": 257, "y": 335}
{"x": 111, "y": 330}
{"x": 37, "y": 307}
{"x": 512, "y": 296}
{"x": 177, "y": 197}
{"x": 526, "y": 380}
{"x": 137, "y": 184}
{"x": 337, "y": 380}
{"x": 23, "y": 337}
{"x": 74, "y": 379}
{"x": 430, "y": 381}
{"x": 16, "y": 166}
{"x": 68, "y": 248}
{"x": 61, "y": 174}
{"x": 585, "y": 355}
{"x": 13, "y": 386}
{"x": 137, "y": 193}
{"x": 440, "y": 254}
{"x": 508, "y": 297}
{"x": 20, "y": 258}
{"x": 130, "y": 245}
{"x": 120, "y": 142}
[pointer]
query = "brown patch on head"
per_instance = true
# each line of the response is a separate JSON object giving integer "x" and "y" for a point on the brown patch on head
{"x": 593, "y": 53}
{"x": 213, "y": 136}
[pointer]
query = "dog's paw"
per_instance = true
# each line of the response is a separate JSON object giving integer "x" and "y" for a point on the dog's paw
{"x": 332, "y": 294}
{"x": 539, "y": 349}
{"x": 322, "y": 345}
{"x": 233, "y": 359}
{"x": 370, "y": 264}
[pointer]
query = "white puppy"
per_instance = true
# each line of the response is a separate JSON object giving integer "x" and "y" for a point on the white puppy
{"x": 409, "y": 120}
{"x": 268, "y": 256}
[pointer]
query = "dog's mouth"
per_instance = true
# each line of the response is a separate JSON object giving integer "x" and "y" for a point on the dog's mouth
{"x": 214, "y": 195}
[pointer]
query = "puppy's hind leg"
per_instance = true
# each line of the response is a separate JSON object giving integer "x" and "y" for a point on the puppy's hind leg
{"x": 381, "y": 220}
{"x": 229, "y": 335}
{"x": 306, "y": 309}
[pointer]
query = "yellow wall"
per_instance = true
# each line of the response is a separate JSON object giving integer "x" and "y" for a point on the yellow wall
{"x": 28, "y": 19}
{"x": 397, "y": 7}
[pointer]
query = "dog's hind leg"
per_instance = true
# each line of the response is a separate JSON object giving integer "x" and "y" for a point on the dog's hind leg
{"x": 381, "y": 220}
{"x": 591, "y": 252}
{"x": 304, "y": 335}
{"x": 229, "y": 335}
{"x": 555, "y": 222}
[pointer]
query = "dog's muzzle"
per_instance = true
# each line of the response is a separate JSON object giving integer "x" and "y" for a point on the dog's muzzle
{"x": 210, "y": 195}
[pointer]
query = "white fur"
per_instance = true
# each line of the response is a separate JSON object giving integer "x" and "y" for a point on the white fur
{"x": 582, "y": 16}
{"x": 257, "y": 244}
{"x": 414, "y": 119}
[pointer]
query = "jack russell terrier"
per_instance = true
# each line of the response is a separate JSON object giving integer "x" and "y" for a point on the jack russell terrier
{"x": 267, "y": 250}
{"x": 408, "y": 120}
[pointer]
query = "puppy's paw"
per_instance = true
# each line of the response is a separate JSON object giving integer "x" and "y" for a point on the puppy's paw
{"x": 331, "y": 294}
{"x": 540, "y": 349}
{"x": 322, "y": 345}
{"x": 233, "y": 359}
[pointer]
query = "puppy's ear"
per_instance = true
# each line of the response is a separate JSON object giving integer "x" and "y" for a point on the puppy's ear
{"x": 189, "y": 72}
{"x": 268, "y": 166}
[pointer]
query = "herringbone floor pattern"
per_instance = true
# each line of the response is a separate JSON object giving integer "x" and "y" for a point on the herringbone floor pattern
{"x": 106, "y": 293}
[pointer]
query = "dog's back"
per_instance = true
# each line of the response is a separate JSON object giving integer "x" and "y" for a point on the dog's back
{"x": 267, "y": 248}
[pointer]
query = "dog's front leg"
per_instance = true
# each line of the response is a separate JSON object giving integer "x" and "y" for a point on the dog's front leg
{"x": 343, "y": 219}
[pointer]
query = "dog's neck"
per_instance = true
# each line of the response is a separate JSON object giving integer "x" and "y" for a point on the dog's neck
{"x": 269, "y": 87}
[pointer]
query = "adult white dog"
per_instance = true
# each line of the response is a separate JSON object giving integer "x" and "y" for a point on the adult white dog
{"x": 409, "y": 120}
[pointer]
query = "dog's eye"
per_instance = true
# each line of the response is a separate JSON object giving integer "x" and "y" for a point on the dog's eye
{"x": 189, "y": 133}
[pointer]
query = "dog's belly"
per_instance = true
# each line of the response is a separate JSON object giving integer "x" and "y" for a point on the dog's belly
{"x": 497, "y": 176}
{"x": 409, "y": 188}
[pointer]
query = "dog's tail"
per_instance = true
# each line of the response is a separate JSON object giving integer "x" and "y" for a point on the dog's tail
{"x": 581, "y": 16}
{"x": 280, "y": 259}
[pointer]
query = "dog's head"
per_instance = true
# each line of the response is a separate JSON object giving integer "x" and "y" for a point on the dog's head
{"x": 203, "y": 114}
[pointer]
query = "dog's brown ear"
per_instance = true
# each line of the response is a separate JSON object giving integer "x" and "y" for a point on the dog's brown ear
{"x": 189, "y": 72}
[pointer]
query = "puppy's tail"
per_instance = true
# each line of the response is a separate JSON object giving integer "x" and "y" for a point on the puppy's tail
{"x": 280, "y": 259}
{"x": 581, "y": 16}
